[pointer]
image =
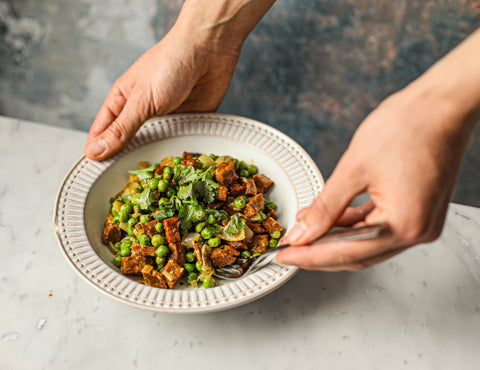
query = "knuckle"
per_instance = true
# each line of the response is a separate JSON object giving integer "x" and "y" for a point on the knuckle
{"x": 118, "y": 131}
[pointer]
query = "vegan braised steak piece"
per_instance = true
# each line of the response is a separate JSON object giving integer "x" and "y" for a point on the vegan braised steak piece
{"x": 191, "y": 217}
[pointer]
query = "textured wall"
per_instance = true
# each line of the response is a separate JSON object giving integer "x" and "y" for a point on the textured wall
{"x": 313, "y": 69}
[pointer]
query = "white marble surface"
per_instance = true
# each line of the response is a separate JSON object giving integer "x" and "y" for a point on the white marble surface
{"x": 420, "y": 310}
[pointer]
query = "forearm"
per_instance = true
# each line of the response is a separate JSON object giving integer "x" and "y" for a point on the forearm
{"x": 221, "y": 26}
{"x": 453, "y": 85}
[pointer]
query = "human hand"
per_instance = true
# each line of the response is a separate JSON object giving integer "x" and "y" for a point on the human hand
{"x": 406, "y": 155}
{"x": 189, "y": 70}
{"x": 173, "y": 76}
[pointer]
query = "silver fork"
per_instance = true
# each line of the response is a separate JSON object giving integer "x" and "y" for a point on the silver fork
{"x": 359, "y": 233}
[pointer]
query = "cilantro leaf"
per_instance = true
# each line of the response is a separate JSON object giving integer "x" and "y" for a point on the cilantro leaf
{"x": 235, "y": 225}
{"x": 143, "y": 200}
{"x": 190, "y": 214}
{"x": 186, "y": 192}
{"x": 204, "y": 191}
{"x": 187, "y": 174}
{"x": 144, "y": 173}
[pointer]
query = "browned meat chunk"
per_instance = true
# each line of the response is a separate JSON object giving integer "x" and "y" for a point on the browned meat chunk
{"x": 249, "y": 185}
{"x": 230, "y": 211}
{"x": 263, "y": 183}
{"x": 187, "y": 155}
{"x": 190, "y": 162}
{"x": 172, "y": 272}
{"x": 259, "y": 243}
{"x": 143, "y": 250}
{"x": 256, "y": 228}
{"x": 149, "y": 228}
{"x": 178, "y": 252}
{"x": 255, "y": 204}
{"x": 215, "y": 205}
{"x": 222, "y": 193}
{"x": 271, "y": 213}
{"x": 172, "y": 231}
{"x": 223, "y": 255}
{"x": 236, "y": 190}
{"x": 111, "y": 232}
{"x": 239, "y": 245}
{"x": 271, "y": 225}
{"x": 135, "y": 264}
{"x": 154, "y": 278}
{"x": 225, "y": 173}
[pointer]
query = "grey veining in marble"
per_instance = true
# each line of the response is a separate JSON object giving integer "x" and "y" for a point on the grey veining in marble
{"x": 313, "y": 69}
{"x": 419, "y": 310}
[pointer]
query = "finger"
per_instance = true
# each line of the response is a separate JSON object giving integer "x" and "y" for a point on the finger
{"x": 109, "y": 111}
{"x": 362, "y": 264}
{"x": 326, "y": 209}
{"x": 117, "y": 135}
{"x": 353, "y": 215}
{"x": 300, "y": 214}
{"x": 341, "y": 253}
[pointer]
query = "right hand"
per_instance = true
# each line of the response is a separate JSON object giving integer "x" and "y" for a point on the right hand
{"x": 173, "y": 76}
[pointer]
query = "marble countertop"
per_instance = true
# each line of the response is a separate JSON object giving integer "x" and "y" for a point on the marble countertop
{"x": 419, "y": 310}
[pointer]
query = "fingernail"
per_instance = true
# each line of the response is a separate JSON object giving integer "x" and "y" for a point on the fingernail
{"x": 297, "y": 232}
{"x": 96, "y": 148}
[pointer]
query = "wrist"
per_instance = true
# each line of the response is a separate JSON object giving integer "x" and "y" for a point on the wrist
{"x": 220, "y": 26}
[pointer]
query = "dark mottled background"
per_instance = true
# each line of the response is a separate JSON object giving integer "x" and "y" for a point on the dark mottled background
{"x": 313, "y": 69}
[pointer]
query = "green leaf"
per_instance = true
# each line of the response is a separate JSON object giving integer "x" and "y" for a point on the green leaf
{"x": 235, "y": 225}
{"x": 186, "y": 192}
{"x": 187, "y": 174}
{"x": 143, "y": 200}
{"x": 190, "y": 214}
{"x": 144, "y": 173}
{"x": 204, "y": 191}
{"x": 164, "y": 212}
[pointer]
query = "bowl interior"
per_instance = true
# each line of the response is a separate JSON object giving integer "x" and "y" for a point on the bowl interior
{"x": 116, "y": 176}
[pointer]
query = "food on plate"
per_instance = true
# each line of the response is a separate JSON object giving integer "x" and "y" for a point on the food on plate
{"x": 194, "y": 217}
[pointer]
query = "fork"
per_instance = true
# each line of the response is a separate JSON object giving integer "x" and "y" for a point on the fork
{"x": 359, "y": 233}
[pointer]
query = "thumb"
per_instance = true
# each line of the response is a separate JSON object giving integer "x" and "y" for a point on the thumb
{"x": 339, "y": 191}
{"x": 118, "y": 133}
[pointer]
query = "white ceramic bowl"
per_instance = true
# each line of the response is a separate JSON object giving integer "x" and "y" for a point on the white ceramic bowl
{"x": 82, "y": 204}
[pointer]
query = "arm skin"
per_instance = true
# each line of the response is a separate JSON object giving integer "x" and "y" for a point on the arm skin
{"x": 189, "y": 70}
{"x": 406, "y": 154}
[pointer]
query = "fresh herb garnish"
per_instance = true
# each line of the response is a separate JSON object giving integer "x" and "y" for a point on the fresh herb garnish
{"x": 235, "y": 225}
{"x": 144, "y": 173}
{"x": 143, "y": 200}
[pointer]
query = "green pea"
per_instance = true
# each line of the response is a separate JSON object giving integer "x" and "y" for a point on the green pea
{"x": 198, "y": 265}
{"x": 125, "y": 251}
{"x": 243, "y": 165}
{"x": 117, "y": 260}
{"x": 239, "y": 203}
{"x": 273, "y": 243}
{"x": 126, "y": 244}
{"x": 246, "y": 254}
{"x": 208, "y": 282}
{"x": 131, "y": 231}
{"x": 162, "y": 185}
{"x": 214, "y": 242}
{"x": 159, "y": 227}
{"x": 190, "y": 256}
{"x": 126, "y": 208}
{"x": 162, "y": 250}
{"x": 243, "y": 173}
{"x": 145, "y": 218}
{"x": 113, "y": 211}
{"x": 170, "y": 192}
{"x": 168, "y": 170}
{"x": 160, "y": 261}
{"x": 132, "y": 221}
{"x": 118, "y": 245}
{"x": 177, "y": 161}
{"x": 211, "y": 219}
{"x": 206, "y": 233}
{"x": 189, "y": 267}
{"x": 115, "y": 220}
{"x": 153, "y": 183}
{"x": 272, "y": 205}
{"x": 158, "y": 240}
{"x": 276, "y": 234}
{"x": 192, "y": 277}
{"x": 143, "y": 239}
{"x": 252, "y": 169}
{"x": 200, "y": 227}
{"x": 123, "y": 217}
